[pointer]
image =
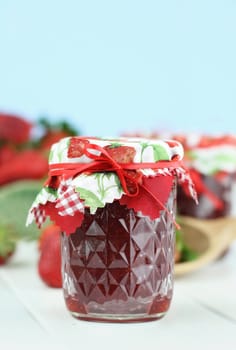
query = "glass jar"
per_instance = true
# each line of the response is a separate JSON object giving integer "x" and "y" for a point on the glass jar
{"x": 114, "y": 200}
{"x": 118, "y": 265}
{"x": 212, "y": 163}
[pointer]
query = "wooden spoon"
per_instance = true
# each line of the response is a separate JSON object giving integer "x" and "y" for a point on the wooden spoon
{"x": 209, "y": 238}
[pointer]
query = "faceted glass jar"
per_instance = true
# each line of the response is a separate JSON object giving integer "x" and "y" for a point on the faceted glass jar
{"x": 118, "y": 265}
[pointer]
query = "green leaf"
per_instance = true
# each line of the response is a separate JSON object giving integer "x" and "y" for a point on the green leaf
{"x": 15, "y": 201}
{"x": 91, "y": 200}
{"x": 159, "y": 153}
{"x": 62, "y": 125}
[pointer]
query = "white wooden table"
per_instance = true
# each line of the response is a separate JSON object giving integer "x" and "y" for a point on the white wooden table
{"x": 33, "y": 316}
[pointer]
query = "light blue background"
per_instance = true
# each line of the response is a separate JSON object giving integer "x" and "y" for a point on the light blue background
{"x": 118, "y": 66}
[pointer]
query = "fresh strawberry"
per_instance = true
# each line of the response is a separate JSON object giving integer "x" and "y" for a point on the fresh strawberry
{"x": 77, "y": 147}
{"x": 121, "y": 154}
{"x": 27, "y": 164}
{"x": 7, "y": 244}
{"x": 14, "y": 129}
{"x": 7, "y": 153}
{"x": 47, "y": 233}
{"x": 49, "y": 264}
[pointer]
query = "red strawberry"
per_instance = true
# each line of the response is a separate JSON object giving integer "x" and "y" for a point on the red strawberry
{"x": 46, "y": 234}
{"x": 121, "y": 154}
{"x": 7, "y": 153}
{"x": 14, "y": 129}
{"x": 49, "y": 264}
{"x": 27, "y": 164}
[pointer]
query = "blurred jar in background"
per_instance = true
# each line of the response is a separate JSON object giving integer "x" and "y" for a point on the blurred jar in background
{"x": 212, "y": 163}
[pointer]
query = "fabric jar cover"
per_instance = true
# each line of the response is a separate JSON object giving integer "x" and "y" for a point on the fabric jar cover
{"x": 91, "y": 172}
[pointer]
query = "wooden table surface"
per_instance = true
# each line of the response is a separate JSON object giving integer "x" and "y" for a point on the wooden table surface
{"x": 33, "y": 316}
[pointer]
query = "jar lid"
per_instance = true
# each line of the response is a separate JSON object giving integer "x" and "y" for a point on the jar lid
{"x": 91, "y": 172}
{"x": 123, "y": 149}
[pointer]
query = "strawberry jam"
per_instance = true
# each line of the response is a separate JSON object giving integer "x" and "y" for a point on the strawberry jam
{"x": 118, "y": 265}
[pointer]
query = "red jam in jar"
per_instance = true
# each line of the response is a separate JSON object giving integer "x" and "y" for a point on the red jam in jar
{"x": 114, "y": 201}
{"x": 118, "y": 265}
